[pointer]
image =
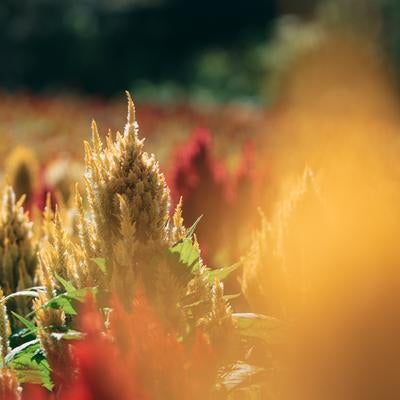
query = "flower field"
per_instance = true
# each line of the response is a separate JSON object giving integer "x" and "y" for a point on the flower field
{"x": 98, "y": 263}
{"x": 253, "y": 256}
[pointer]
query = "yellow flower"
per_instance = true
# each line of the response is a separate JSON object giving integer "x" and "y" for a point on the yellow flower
{"x": 122, "y": 178}
{"x": 17, "y": 251}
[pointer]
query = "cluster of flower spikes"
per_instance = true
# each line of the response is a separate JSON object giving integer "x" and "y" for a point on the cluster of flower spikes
{"x": 272, "y": 275}
{"x": 129, "y": 203}
{"x": 125, "y": 220}
{"x": 123, "y": 179}
{"x": 18, "y": 258}
{"x": 127, "y": 253}
{"x": 59, "y": 252}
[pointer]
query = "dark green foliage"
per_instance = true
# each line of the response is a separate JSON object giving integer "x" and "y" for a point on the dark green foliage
{"x": 30, "y": 364}
{"x": 75, "y": 44}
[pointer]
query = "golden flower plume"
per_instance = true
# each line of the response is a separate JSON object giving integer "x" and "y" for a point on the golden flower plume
{"x": 17, "y": 251}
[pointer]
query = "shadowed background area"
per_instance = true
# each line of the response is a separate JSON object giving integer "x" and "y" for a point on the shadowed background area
{"x": 74, "y": 45}
{"x": 167, "y": 46}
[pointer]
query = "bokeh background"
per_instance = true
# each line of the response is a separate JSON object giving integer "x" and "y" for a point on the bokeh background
{"x": 211, "y": 81}
{"x": 169, "y": 49}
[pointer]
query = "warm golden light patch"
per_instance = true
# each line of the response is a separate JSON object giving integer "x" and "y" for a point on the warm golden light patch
{"x": 330, "y": 264}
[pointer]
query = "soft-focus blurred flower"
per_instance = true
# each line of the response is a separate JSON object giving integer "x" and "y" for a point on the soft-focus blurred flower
{"x": 200, "y": 179}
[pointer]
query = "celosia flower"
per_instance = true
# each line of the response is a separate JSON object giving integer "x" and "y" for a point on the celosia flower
{"x": 17, "y": 250}
{"x": 201, "y": 180}
{"x": 5, "y": 329}
{"x": 137, "y": 359}
{"x": 123, "y": 170}
{"x": 36, "y": 392}
{"x": 9, "y": 389}
{"x": 164, "y": 366}
{"x": 102, "y": 375}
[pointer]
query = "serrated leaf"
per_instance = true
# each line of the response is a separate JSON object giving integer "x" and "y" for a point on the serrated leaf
{"x": 38, "y": 356}
{"x": 30, "y": 364}
{"x": 64, "y": 300}
{"x": 269, "y": 329}
{"x": 68, "y": 286}
{"x": 188, "y": 254}
{"x": 61, "y": 301}
{"x": 25, "y": 350}
{"x": 28, "y": 324}
{"x": 81, "y": 294}
{"x": 38, "y": 375}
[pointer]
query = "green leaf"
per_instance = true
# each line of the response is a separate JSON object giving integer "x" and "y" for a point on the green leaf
{"x": 101, "y": 263}
{"x": 65, "y": 300}
{"x": 25, "y": 350}
{"x": 30, "y": 364}
{"x": 38, "y": 356}
{"x": 62, "y": 301}
{"x": 35, "y": 374}
{"x": 188, "y": 254}
{"x": 269, "y": 329}
{"x": 32, "y": 329}
{"x": 80, "y": 294}
{"x": 68, "y": 286}
{"x": 221, "y": 273}
{"x": 183, "y": 260}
